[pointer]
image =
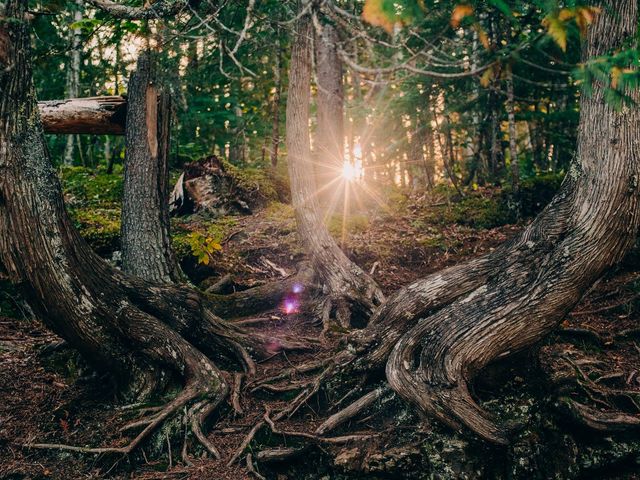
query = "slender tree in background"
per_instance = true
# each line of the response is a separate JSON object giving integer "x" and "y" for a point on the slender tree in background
{"x": 277, "y": 96}
{"x": 73, "y": 74}
{"x": 513, "y": 135}
{"x": 347, "y": 290}
{"x": 146, "y": 244}
{"x": 330, "y": 133}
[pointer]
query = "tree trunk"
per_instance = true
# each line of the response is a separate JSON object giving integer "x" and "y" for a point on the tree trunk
{"x": 146, "y": 244}
{"x": 73, "y": 74}
{"x": 108, "y": 157}
{"x": 499, "y": 304}
{"x": 145, "y": 335}
{"x": 93, "y": 115}
{"x": 513, "y": 135}
{"x": 350, "y": 291}
{"x": 448, "y": 157}
{"x": 430, "y": 158}
{"x": 275, "y": 127}
{"x": 330, "y": 132}
{"x": 237, "y": 148}
{"x": 496, "y": 157}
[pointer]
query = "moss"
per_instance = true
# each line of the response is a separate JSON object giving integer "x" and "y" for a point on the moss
{"x": 100, "y": 227}
{"x": 474, "y": 210}
{"x": 267, "y": 185}
{"x": 490, "y": 208}
{"x": 479, "y": 212}
{"x": 282, "y": 216}
{"x": 535, "y": 193}
{"x": 437, "y": 241}
{"x": 84, "y": 187}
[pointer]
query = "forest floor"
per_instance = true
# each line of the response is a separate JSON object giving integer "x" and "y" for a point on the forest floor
{"x": 47, "y": 398}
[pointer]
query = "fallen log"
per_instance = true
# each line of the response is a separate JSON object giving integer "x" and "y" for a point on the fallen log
{"x": 92, "y": 115}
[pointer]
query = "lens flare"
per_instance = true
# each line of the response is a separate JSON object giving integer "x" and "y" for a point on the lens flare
{"x": 291, "y": 306}
{"x": 349, "y": 171}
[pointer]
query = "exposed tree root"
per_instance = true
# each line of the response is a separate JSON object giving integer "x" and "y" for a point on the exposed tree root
{"x": 251, "y": 469}
{"x": 570, "y": 372}
{"x": 207, "y": 390}
{"x": 265, "y": 297}
{"x": 601, "y": 421}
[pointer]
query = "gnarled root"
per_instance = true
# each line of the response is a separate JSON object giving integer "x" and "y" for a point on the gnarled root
{"x": 606, "y": 422}
{"x": 570, "y": 372}
{"x": 203, "y": 391}
{"x": 349, "y": 302}
{"x": 159, "y": 342}
{"x": 265, "y": 297}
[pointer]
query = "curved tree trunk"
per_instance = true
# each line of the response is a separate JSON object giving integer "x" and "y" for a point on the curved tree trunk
{"x": 146, "y": 245}
{"x": 496, "y": 305}
{"x": 145, "y": 335}
{"x": 349, "y": 290}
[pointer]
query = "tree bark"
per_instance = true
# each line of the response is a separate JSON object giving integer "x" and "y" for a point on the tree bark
{"x": 93, "y": 115}
{"x": 146, "y": 244}
{"x": 496, "y": 155}
{"x": 275, "y": 127}
{"x": 237, "y": 147}
{"x": 350, "y": 292}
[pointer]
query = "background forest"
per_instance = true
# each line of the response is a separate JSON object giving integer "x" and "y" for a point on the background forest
{"x": 406, "y": 130}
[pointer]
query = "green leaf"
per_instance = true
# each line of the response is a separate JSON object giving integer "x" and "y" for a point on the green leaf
{"x": 503, "y": 7}
{"x": 557, "y": 30}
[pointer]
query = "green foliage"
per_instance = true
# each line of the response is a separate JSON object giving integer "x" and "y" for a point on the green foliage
{"x": 202, "y": 247}
{"x": 618, "y": 72}
{"x": 201, "y": 240}
{"x": 389, "y": 13}
{"x": 100, "y": 227}
{"x": 84, "y": 187}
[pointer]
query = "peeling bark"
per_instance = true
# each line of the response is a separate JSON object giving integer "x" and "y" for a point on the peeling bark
{"x": 92, "y": 115}
{"x": 145, "y": 335}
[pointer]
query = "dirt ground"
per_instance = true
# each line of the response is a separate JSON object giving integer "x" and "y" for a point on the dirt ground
{"x": 47, "y": 396}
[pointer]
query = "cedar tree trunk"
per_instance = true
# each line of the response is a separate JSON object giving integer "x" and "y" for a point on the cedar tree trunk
{"x": 146, "y": 245}
{"x": 349, "y": 291}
